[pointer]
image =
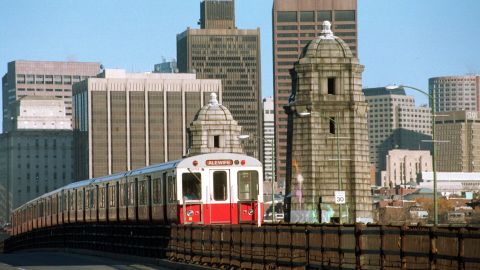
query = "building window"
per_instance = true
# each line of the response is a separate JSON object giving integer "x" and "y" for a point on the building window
{"x": 324, "y": 16}
{"x": 287, "y": 16}
{"x": 57, "y": 79}
{"x": 20, "y": 78}
{"x": 345, "y": 15}
{"x": 307, "y": 16}
{"x": 216, "y": 141}
{"x": 39, "y": 79}
{"x": 48, "y": 79}
{"x": 332, "y": 125}
{"x": 331, "y": 86}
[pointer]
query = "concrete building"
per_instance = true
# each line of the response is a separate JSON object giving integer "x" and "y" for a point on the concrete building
{"x": 394, "y": 122}
{"x": 214, "y": 130}
{"x": 328, "y": 134}
{"x": 221, "y": 51}
{"x": 269, "y": 136}
{"x": 41, "y": 112}
{"x": 125, "y": 121}
{"x": 36, "y": 157}
{"x": 456, "y": 93}
{"x": 295, "y": 23}
{"x": 459, "y": 133}
{"x": 166, "y": 67}
{"x": 404, "y": 167}
{"x": 42, "y": 78}
{"x": 452, "y": 182}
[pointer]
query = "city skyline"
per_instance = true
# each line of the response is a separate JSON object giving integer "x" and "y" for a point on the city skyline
{"x": 415, "y": 43}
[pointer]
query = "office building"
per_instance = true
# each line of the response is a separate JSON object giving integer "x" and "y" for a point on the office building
{"x": 456, "y": 93}
{"x": 125, "y": 121}
{"x": 328, "y": 137}
{"x": 166, "y": 67}
{"x": 458, "y": 149}
{"x": 449, "y": 183}
{"x": 221, "y": 51}
{"x": 395, "y": 122}
{"x": 269, "y": 135}
{"x": 405, "y": 167}
{"x": 37, "y": 154}
{"x": 42, "y": 78}
{"x": 295, "y": 23}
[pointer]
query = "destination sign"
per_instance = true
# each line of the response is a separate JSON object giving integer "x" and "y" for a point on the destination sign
{"x": 220, "y": 162}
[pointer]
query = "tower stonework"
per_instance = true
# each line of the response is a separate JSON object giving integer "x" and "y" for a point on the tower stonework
{"x": 214, "y": 130}
{"x": 327, "y": 134}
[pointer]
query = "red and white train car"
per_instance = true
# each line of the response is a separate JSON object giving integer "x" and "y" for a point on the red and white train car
{"x": 217, "y": 188}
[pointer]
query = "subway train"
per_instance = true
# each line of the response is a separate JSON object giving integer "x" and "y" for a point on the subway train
{"x": 215, "y": 188}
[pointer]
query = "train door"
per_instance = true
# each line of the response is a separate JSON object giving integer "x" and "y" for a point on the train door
{"x": 248, "y": 189}
{"x": 219, "y": 199}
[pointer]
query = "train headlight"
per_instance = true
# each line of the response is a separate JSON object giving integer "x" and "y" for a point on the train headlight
{"x": 189, "y": 213}
{"x": 195, "y": 163}
{"x": 243, "y": 162}
{"x": 250, "y": 212}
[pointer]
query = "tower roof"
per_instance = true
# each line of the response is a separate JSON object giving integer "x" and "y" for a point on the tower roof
{"x": 326, "y": 45}
{"x": 213, "y": 111}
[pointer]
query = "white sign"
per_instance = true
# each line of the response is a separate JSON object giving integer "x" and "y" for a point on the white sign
{"x": 339, "y": 197}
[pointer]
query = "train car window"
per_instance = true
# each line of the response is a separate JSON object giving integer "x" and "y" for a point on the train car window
{"x": 101, "y": 197}
{"x": 111, "y": 195}
{"x": 71, "y": 199}
{"x": 91, "y": 198}
{"x": 131, "y": 194}
{"x": 156, "y": 185}
{"x": 79, "y": 199}
{"x": 192, "y": 186}
{"x": 123, "y": 193}
{"x": 54, "y": 205}
{"x": 220, "y": 184}
{"x": 247, "y": 185}
{"x": 171, "y": 189}
{"x": 40, "y": 210}
{"x": 49, "y": 206}
{"x": 87, "y": 199}
{"x": 142, "y": 193}
{"x": 65, "y": 201}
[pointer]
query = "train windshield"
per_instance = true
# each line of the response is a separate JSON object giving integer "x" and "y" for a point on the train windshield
{"x": 247, "y": 185}
{"x": 192, "y": 186}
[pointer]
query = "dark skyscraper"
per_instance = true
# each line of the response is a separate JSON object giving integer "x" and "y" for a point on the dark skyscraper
{"x": 295, "y": 23}
{"x": 217, "y": 14}
{"x": 220, "y": 51}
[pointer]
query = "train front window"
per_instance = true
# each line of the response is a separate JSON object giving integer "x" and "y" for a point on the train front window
{"x": 247, "y": 185}
{"x": 192, "y": 186}
{"x": 220, "y": 184}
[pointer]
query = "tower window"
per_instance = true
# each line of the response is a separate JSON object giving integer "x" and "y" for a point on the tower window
{"x": 332, "y": 125}
{"x": 331, "y": 86}
{"x": 216, "y": 141}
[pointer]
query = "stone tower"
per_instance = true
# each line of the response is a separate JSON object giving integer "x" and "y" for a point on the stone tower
{"x": 327, "y": 134}
{"x": 214, "y": 130}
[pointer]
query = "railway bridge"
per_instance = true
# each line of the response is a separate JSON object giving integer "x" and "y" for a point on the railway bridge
{"x": 271, "y": 246}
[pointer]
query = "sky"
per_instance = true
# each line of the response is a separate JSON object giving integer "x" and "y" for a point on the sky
{"x": 400, "y": 41}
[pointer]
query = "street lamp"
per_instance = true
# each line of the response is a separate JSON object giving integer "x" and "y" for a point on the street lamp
{"x": 272, "y": 146}
{"x": 340, "y": 186}
{"x": 431, "y": 97}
